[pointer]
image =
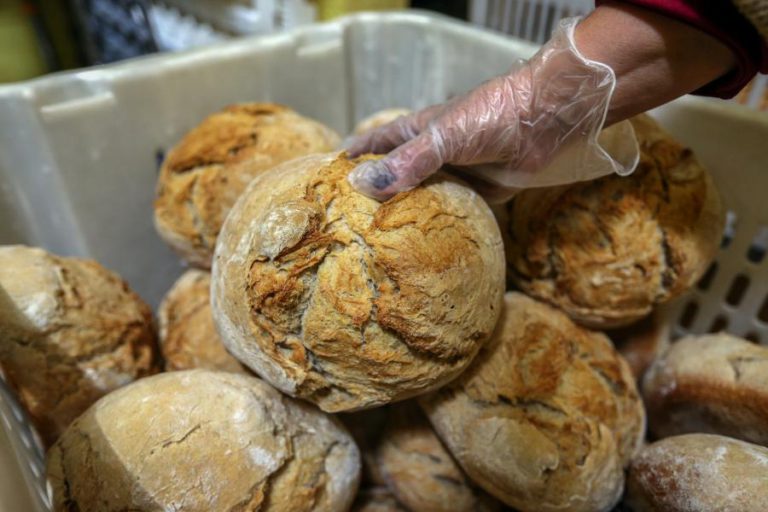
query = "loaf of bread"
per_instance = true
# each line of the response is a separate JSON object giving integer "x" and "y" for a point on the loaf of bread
{"x": 546, "y": 416}
{"x": 379, "y": 118}
{"x": 188, "y": 337}
{"x": 70, "y": 332}
{"x": 607, "y": 251}
{"x": 377, "y": 499}
{"x": 419, "y": 470}
{"x": 203, "y": 440}
{"x": 699, "y": 473}
{"x": 642, "y": 342}
{"x": 715, "y": 383}
{"x": 203, "y": 175}
{"x": 350, "y": 303}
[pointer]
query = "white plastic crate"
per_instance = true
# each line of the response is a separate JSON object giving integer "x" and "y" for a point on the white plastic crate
{"x": 79, "y": 152}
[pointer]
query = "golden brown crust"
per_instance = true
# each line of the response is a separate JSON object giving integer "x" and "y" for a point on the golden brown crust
{"x": 350, "y": 303}
{"x": 608, "y": 250}
{"x": 421, "y": 473}
{"x": 70, "y": 332}
{"x": 701, "y": 473}
{"x": 716, "y": 383}
{"x": 546, "y": 415}
{"x": 207, "y": 170}
{"x": 378, "y": 119}
{"x": 188, "y": 337}
{"x": 201, "y": 440}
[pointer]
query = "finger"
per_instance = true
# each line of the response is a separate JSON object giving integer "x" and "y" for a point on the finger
{"x": 402, "y": 169}
{"x": 393, "y": 134}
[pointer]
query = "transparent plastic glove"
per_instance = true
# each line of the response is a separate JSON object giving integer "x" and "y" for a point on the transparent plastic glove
{"x": 539, "y": 125}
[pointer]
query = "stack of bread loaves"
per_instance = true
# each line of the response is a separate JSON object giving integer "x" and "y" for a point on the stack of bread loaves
{"x": 314, "y": 309}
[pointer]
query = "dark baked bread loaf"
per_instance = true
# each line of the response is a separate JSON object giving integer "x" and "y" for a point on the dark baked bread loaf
{"x": 350, "y": 303}
{"x": 421, "y": 473}
{"x": 546, "y": 416}
{"x": 202, "y": 440}
{"x": 70, "y": 332}
{"x": 607, "y": 251}
{"x": 188, "y": 337}
{"x": 203, "y": 175}
{"x": 715, "y": 383}
{"x": 699, "y": 473}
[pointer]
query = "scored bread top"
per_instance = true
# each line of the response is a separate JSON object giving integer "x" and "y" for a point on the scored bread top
{"x": 203, "y": 175}
{"x": 608, "y": 250}
{"x": 70, "y": 332}
{"x": 546, "y": 415}
{"x": 348, "y": 302}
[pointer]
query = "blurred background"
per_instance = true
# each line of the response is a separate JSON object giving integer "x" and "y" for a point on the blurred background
{"x": 44, "y": 36}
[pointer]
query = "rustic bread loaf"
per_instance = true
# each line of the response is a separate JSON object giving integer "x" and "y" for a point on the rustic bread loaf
{"x": 715, "y": 383}
{"x": 203, "y": 440}
{"x": 642, "y": 342}
{"x": 188, "y": 337}
{"x": 379, "y": 118}
{"x": 366, "y": 428}
{"x": 70, "y": 332}
{"x": 419, "y": 470}
{"x": 546, "y": 416}
{"x": 699, "y": 473}
{"x": 203, "y": 175}
{"x": 350, "y": 303}
{"x": 607, "y": 251}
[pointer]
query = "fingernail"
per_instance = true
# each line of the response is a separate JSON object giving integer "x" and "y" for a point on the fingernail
{"x": 371, "y": 178}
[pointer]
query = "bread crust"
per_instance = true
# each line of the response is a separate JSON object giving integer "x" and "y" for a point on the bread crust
{"x": 350, "y": 303}
{"x": 419, "y": 469}
{"x": 202, "y": 440}
{"x": 699, "y": 472}
{"x": 188, "y": 337}
{"x": 70, "y": 332}
{"x": 609, "y": 250}
{"x": 203, "y": 175}
{"x": 546, "y": 416}
{"x": 715, "y": 384}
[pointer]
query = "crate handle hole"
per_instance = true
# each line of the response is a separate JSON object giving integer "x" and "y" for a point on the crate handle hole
{"x": 762, "y": 314}
{"x": 737, "y": 290}
{"x": 706, "y": 280}
{"x": 689, "y": 314}
{"x": 753, "y": 337}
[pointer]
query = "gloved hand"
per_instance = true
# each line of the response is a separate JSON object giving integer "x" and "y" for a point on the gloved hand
{"x": 538, "y": 125}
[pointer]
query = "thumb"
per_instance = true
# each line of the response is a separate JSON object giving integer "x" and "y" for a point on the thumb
{"x": 402, "y": 169}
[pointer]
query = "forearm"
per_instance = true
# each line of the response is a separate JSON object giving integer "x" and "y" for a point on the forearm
{"x": 656, "y": 59}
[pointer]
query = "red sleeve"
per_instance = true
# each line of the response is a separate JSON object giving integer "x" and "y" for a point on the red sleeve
{"x": 722, "y": 20}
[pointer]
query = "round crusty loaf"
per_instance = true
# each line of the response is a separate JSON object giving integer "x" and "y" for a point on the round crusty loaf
{"x": 203, "y": 175}
{"x": 715, "y": 383}
{"x": 641, "y": 343}
{"x": 188, "y": 337}
{"x": 378, "y": 119}
{"x": 421, "y": 473}
{"x": 70, "y": 332}
{"x": 546, "y": 415}
{"x": 350, "y": 303}
{"x": 607, "y": 251}
{"x": 699, "y": 473}
{"x": 202, "y": 440}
